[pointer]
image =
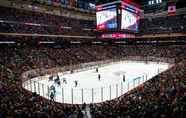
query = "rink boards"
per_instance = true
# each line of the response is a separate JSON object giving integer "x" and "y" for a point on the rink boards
{"x": 92, "y": 90}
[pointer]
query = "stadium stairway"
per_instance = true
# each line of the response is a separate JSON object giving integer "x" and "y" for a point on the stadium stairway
{"x": 87, "y": 112}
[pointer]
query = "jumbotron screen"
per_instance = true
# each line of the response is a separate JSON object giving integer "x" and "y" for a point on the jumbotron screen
{"x": 129, "y": 21}
{"x": 106, "y": 19}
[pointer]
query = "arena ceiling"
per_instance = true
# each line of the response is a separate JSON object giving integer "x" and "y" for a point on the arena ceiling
{"x": 105, "y": 1}
{"x": 142, "y": 3}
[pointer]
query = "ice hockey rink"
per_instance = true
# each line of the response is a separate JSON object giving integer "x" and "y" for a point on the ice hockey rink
{"x": 90, "y": 89}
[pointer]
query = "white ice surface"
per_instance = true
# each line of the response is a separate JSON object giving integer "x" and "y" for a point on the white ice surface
{"x": 90, "y": 89}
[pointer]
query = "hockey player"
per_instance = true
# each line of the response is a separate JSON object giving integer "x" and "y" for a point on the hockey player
{"x": 52, "y": 92}
{"x": 71, "y": 71}
{"x": 52, "y": 89}
{"x": 99, "y": 77}
{"x": 52, "y": 95}
{"x": 123, "y": 78}
{"x": 64, "y": 80}
{"x": 57, "y": 80}
{"x": 58, "y": 77}
{"x": 97, "y": 70}
{"x": 58, "y": 83}
{"x": 76, "y": 83}
{"x": 50, "y": 78}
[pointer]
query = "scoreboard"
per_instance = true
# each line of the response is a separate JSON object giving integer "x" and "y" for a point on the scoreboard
{"x": 118, "y": 18}
{"x": 106, "y": 18}
{"x": 129, "y": 21}
{"x": 129, "y": 17}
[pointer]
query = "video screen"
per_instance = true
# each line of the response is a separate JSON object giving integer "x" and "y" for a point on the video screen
{"x": 106, "y": 19}
{"x": 129, "y": 21}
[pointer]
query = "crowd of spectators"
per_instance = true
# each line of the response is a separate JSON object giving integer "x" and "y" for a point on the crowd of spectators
{"x": 163, "y": 96}
{"x": 164, "y": 24}
{"x": 41, "y": 23}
